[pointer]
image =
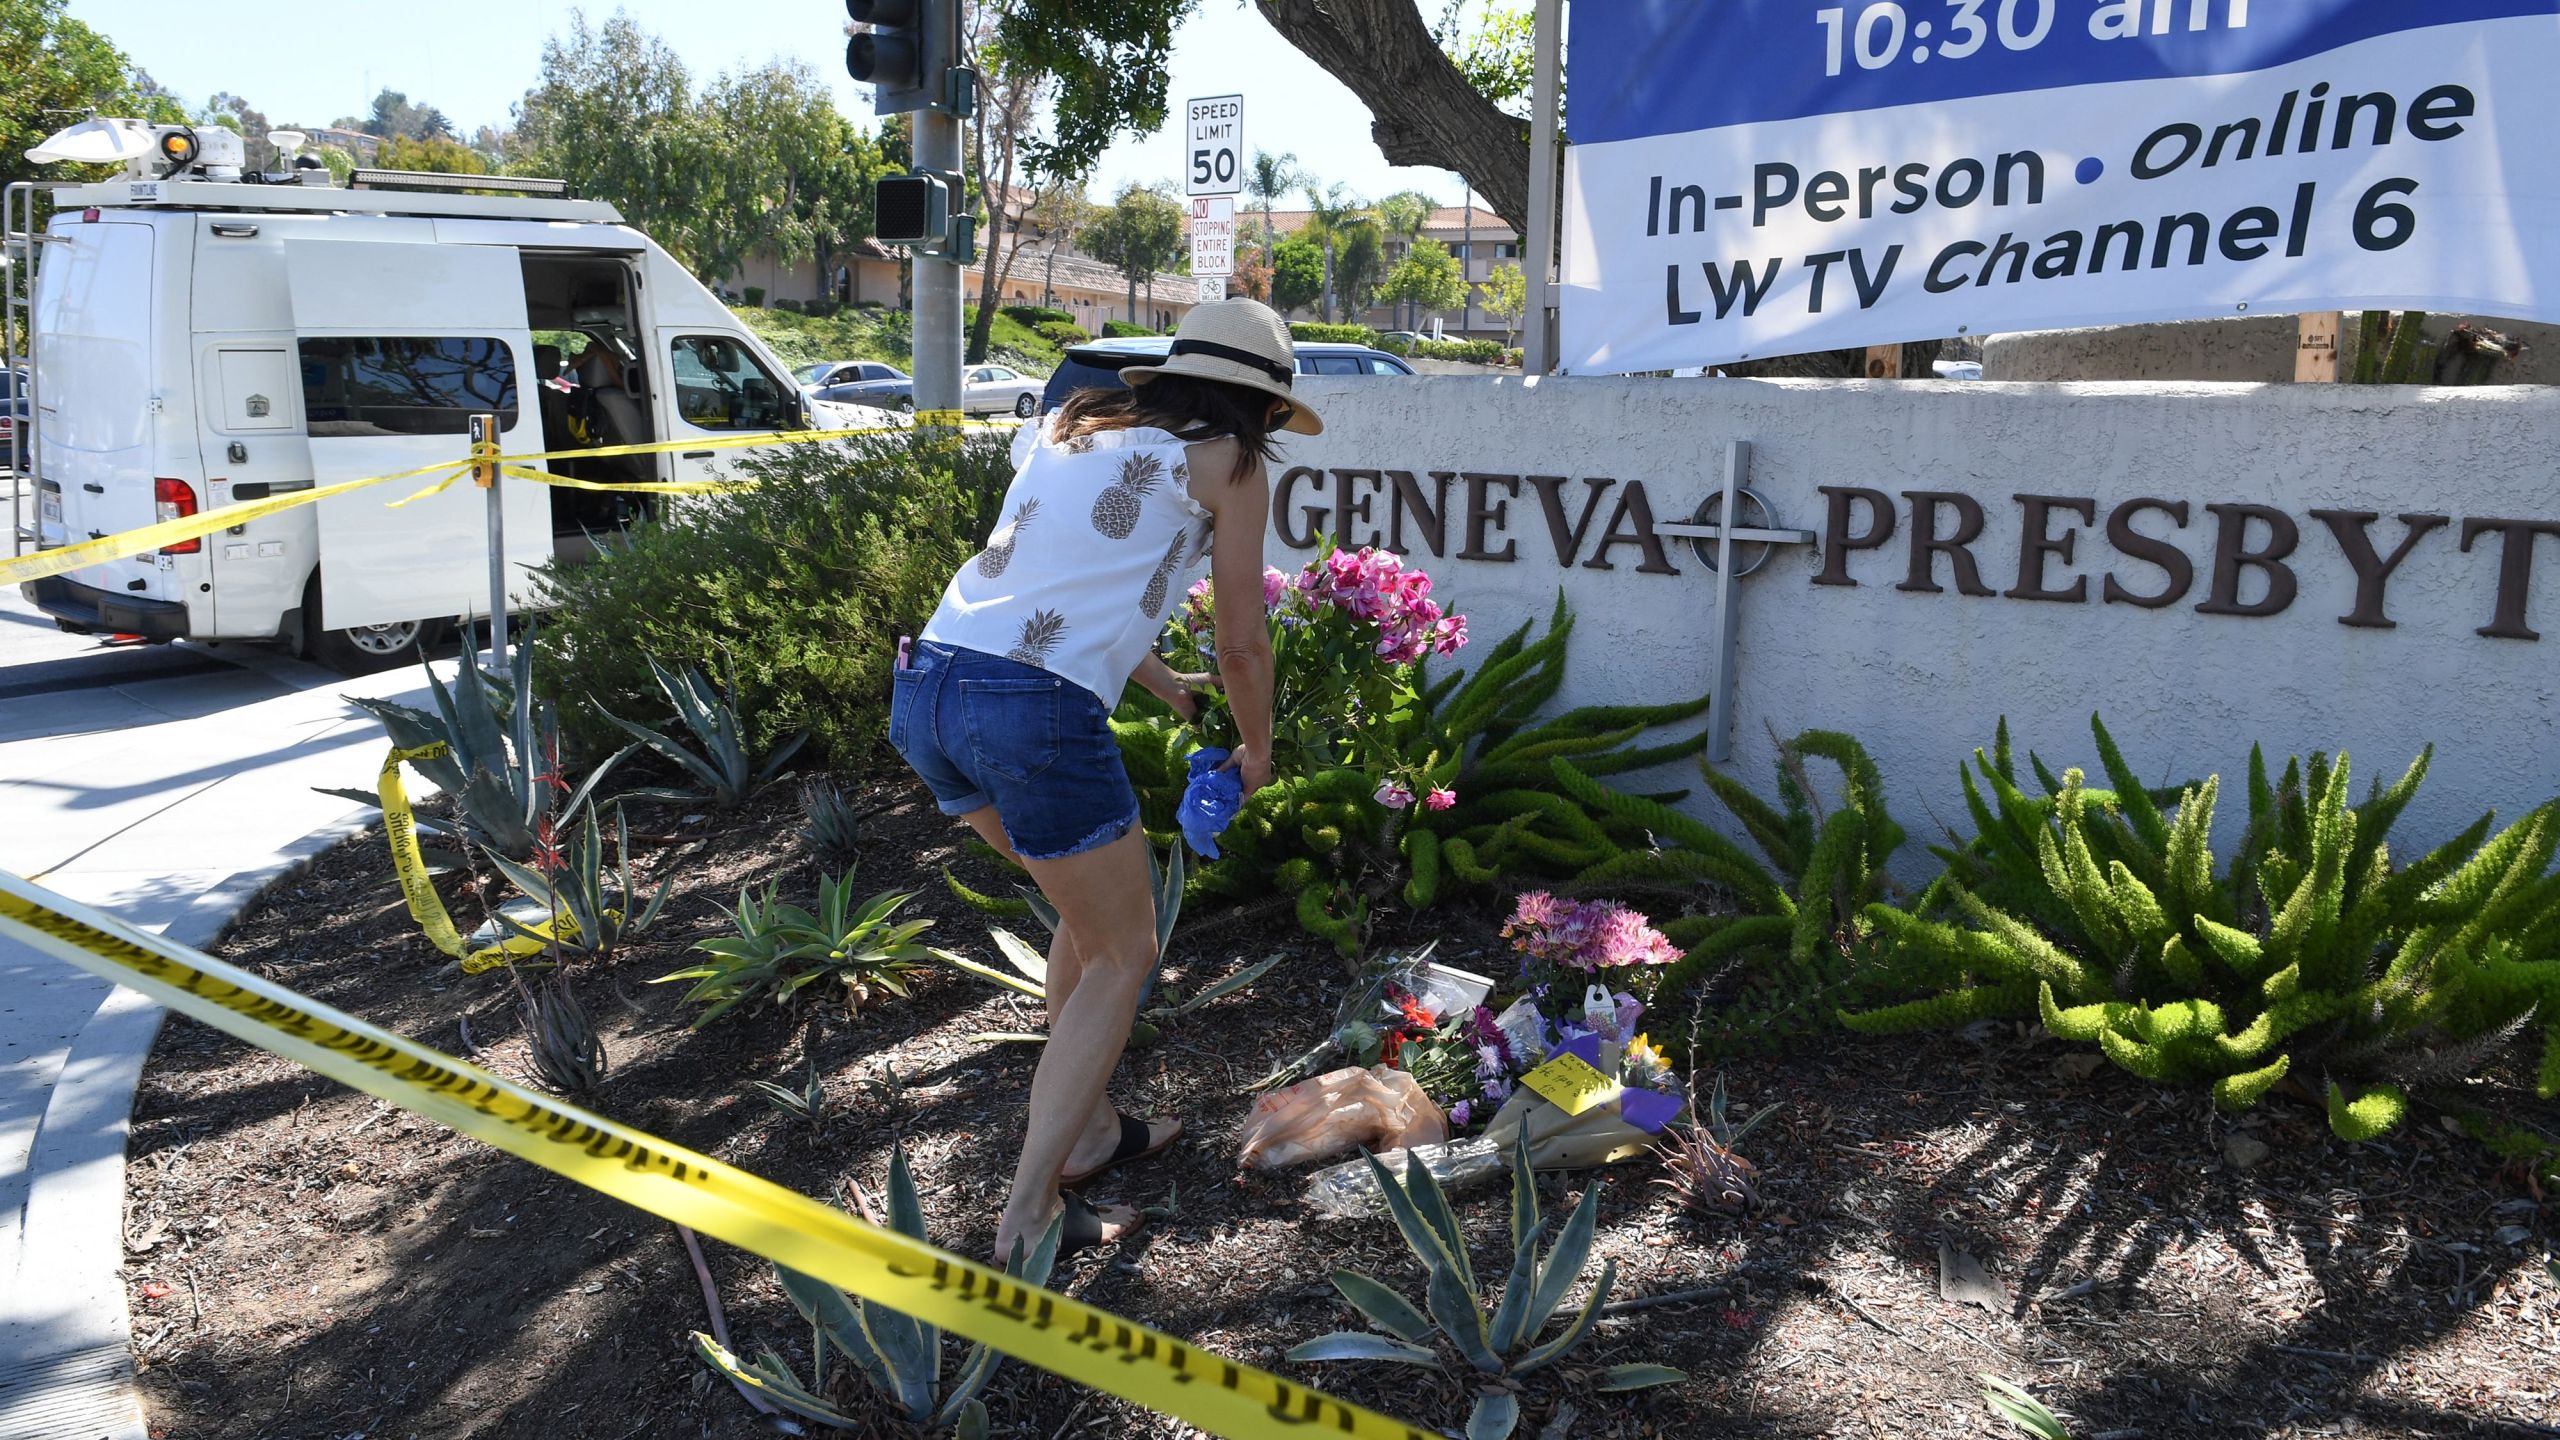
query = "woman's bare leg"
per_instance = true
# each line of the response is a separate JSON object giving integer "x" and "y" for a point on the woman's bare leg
{"x": 1105, "y": 894}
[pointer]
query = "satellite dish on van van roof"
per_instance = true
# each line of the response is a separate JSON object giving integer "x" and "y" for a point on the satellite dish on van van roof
{"x": 99, "y": 141}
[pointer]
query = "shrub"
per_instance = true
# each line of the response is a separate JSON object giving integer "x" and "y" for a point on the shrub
{"x": 754, "y": 296}
{"x": 1062, "y": 332}
{"x": 1795, "y": 926}
{"x": 796, "y": 589}
{"x": 1036, "y": 316}
{"x": 1122, "y": 329}
{"x": 1473, "y": 352}
{"x": 2107, "y": 915}
{"x": 1320, "y": 333}
{"x": 1395, "y": 344}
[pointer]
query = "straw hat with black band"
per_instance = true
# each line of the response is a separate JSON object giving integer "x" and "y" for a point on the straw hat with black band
{"x": 1237, "y": 342}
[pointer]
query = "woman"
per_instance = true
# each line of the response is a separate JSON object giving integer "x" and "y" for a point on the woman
{"x": 1002, "y": 711}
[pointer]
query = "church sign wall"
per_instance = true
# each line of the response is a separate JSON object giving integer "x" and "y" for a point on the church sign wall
{"x": 2210, "y": 567}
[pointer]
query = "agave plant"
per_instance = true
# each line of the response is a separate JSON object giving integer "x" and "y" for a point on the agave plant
{"x": 900, "y": 1356}
{"x": 2011, "y": 1402}
{"x": 491, "y": 746}
{"x": 599, "y": 915}
{"x": 807, "y": 1103}
{"x": 833, "y": 830}
{"x": 781, "y": 949}
{"x": 1507, "y": 1348}
{"x": 727, "y": 771}
{"x": 1700, "y": 1166}
{"x": 568, "y": 1054}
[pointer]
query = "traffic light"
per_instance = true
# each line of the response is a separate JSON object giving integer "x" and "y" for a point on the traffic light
{"x": 906, "y": 54}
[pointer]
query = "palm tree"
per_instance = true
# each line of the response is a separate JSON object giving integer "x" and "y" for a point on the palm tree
{"x": 1273, "y": 176}
{"x": 1403, "y": 216}
{"x": 1334, "y": 214}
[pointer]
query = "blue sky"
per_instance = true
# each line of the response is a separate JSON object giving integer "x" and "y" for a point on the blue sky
{"x": 474, "y": 58}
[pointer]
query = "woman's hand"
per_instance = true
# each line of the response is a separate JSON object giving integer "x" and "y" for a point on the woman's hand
{"x": 1252, "y": 768}
{"x": 1185, "y": 698}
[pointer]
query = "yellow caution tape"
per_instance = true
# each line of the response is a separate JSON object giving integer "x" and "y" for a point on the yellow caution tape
{"x": 426, "y": 907}
{"x": 142, "y": 541}
{"x": 145, "y": 539}
{"x": 401, "y": 824}
{"x": 1088, "y": 1345}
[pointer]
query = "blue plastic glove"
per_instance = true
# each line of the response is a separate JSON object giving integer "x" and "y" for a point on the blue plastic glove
{"x": 1209, "y": 801}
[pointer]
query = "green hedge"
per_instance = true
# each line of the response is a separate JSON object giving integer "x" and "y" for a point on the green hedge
{"x": 1334, "y": 334}
{"x": 1473, "y": 352}
{"x": 800, "y": 587}
{"x": 1122, "y": 329}
{"x": 1063, "y": 332}
{"x": 1036, "y": 316}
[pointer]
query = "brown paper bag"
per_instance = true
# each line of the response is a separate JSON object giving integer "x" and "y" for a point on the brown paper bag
{"x": 1378, "y": 1109}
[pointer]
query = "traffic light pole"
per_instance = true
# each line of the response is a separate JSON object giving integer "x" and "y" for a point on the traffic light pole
{"x": 938, "y": 311}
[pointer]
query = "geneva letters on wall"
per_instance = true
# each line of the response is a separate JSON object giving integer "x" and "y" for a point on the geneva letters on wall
{"x": 1767, "y": 177}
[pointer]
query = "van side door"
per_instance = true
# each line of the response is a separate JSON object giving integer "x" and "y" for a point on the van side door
{"x": 398, "y": 345}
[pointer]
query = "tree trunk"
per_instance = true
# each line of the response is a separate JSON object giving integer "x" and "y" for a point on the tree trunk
{"x": 1328, "y": 279}
{"x": 1423, "y": 111}
{"x": 1133, "y": 300}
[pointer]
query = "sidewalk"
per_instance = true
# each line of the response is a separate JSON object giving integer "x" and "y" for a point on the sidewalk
{"x": 169, "y": 801}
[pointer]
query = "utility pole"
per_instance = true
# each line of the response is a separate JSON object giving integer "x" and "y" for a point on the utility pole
{"x": 1539, "y": 263}
{"x": 938, "y": 312}
{"x": 909, "y": 52}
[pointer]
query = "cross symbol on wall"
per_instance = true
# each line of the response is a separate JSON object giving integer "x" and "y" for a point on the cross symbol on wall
{"x": 1729, "y": 560}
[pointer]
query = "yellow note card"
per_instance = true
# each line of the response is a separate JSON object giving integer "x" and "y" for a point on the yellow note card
{"x": 1570, "y": 1083}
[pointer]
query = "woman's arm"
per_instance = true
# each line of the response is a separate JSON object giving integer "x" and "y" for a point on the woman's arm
{"x": 1242, "y": 510}
{"x": 1171, "y": 686}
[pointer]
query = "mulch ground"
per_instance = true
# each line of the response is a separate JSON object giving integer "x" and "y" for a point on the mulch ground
{"x": 308, "y": 1262}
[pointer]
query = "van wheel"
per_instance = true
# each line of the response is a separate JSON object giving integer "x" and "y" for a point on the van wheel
{"x": 364, "y": 649}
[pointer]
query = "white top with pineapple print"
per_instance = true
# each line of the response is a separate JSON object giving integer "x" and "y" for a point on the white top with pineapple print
{"x": 1098, "y": 540}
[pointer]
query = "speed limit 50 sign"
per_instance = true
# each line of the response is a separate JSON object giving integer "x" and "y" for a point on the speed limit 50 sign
{"x": 1213, "y": 130}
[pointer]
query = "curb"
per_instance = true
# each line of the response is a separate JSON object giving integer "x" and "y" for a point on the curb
{"x": 75, "y": 1374}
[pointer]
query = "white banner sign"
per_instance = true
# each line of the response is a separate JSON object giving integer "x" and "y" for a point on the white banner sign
{"x": 1213, "y": 236}
{"x": 1769, "y": 177}
{"x": 1213, "y": 288}
{"x": 1214, "y": 128}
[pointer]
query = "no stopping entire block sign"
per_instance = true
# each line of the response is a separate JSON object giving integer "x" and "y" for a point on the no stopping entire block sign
{"x": 1213, "y": 235}
{"x": 1213, "y": 136}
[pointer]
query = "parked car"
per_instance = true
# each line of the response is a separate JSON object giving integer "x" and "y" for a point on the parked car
{"x": 827, "y": 373}
{"x": 998, "y": 390}
{"x": 882, "y": 387}
{"x": 1959, "y": 369}
{"x": 1097, "y": 366}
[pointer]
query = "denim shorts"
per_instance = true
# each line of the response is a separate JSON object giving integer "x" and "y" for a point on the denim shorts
{"x": 982, "y": 730}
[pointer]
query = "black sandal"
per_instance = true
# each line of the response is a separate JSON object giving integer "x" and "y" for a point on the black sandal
{"x": 1136, "y": 1143}
{"x": 1082, "y": 1229}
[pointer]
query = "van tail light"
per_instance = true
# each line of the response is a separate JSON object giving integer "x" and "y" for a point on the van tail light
{"x": 175, "y": 500}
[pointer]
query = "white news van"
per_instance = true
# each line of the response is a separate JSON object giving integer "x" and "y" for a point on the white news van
{"x": 201, "y": 337}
